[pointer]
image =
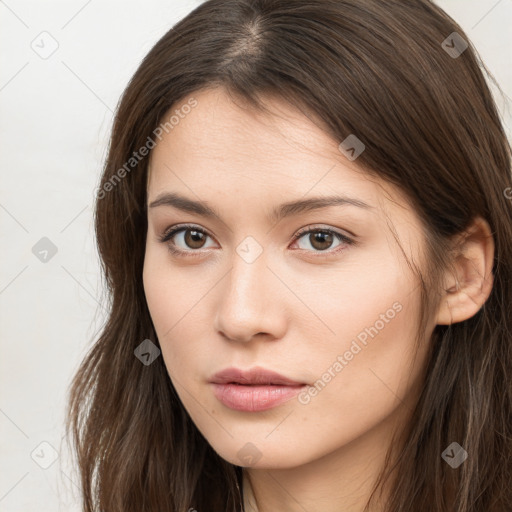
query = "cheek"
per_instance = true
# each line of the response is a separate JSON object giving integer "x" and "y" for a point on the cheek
{"x": 365, "y": 368}
{"x": 369, "y": 371}
{"x": 174, "y": 300}
{"x": 157, "y": 295}
{"x": 160, "y": 294}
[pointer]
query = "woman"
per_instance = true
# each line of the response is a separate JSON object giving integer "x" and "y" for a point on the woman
{"x": 305, "y": 230}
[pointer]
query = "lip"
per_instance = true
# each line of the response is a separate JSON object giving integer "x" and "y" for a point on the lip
{"x": 253, "y": 390}
{"x": 256, "y": 375}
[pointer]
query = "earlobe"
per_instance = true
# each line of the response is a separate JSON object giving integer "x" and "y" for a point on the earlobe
{"x": 465, "y": 293}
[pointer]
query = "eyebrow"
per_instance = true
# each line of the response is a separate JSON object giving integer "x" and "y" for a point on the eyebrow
{"x": 280, "y": 212}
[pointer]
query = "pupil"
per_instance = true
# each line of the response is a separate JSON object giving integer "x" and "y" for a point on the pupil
{"x": 322, "y": 238}
{"x": 194, "y": 238}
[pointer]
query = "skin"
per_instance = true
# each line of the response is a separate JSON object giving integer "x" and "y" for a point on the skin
{"x": 295, "y": 308}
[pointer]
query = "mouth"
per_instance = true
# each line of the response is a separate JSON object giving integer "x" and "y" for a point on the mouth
{"x": 255, "y": 390}
{"x": 254, "y": 376}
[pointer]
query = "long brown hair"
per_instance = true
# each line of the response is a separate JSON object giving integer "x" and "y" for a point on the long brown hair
{"x": 381, "y": 70}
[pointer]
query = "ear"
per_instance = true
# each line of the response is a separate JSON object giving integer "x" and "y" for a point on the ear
{"x": 466, "y": 292}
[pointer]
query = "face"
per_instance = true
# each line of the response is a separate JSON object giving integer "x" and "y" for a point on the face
{"x": 321, "y": 295}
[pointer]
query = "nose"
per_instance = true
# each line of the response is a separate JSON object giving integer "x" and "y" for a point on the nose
{"x": 251, "y": 302}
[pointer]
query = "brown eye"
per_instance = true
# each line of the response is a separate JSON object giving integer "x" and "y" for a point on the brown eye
{"x": 185, "y": 239}
{"x": 321, "y": 240}
{"x": 194, "y": 239}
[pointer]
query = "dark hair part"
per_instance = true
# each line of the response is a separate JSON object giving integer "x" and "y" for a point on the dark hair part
{"x": 373, "y": 68}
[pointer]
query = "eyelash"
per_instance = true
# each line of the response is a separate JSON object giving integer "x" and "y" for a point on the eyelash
{"x": 169, "y": 233}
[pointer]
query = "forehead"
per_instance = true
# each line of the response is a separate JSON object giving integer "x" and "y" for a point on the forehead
{"x": 224, "y": 151}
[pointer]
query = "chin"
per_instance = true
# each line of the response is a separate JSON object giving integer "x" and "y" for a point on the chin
{"x": 258, "y": 455}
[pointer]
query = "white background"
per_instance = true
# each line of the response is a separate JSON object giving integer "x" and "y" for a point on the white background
{"x": 55, "y": 119}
